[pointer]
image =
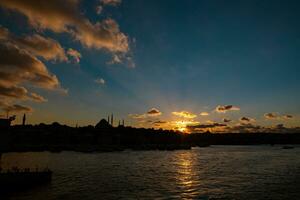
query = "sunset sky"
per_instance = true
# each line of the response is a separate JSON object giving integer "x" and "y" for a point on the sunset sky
{"x": 204, "y": 64}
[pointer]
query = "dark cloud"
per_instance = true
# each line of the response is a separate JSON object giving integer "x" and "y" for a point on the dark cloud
{"x": 271, "y": 116}
{"x": 225, "y": 120}
{"x": 204, "y": 126}
{"x": 153, "y": 112}
{"x": 17, "y": 108}
{"x": 287, "y": 116}
{"x": 246, "y": 120}
{"x": 160, "y": 122}
{"x": 244, "y": 128}
{"x": 224, "y": 109}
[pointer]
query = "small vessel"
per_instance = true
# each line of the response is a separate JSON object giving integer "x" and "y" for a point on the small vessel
{"x": 22, "y": 179}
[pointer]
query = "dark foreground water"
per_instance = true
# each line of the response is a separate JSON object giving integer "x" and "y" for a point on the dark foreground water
{"x": 218, "y": 172}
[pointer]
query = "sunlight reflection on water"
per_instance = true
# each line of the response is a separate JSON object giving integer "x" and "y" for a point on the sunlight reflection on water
{"x": 260, "y": 172}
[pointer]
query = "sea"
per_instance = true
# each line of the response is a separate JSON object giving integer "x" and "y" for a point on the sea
{"x": 216, "y": 172}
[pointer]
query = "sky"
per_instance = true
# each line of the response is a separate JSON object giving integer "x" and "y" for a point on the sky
{"x": 192, "y": 65}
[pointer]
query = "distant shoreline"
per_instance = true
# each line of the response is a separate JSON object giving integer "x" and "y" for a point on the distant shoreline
{"x": 57, "y": 138}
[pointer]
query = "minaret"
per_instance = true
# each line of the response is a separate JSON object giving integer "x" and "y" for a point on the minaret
{"x": 119, "y": 123}
{"x": 24, "y": 119}
{"x": 108, "y": 119}
{"x": 123, "y": 122}
{"x": 112, "y": 120}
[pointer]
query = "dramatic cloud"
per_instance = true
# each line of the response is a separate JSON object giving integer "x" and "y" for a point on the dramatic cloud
{"x": 185, "y": 114}
{"x": 153, "y": 112}
{"x": 100, "y": 81}
{"x": 271, "y": 116}
{"x": 20, "y": 93}
{"x": 204, "y": 113}
{"x": 65, "y": 16}
{"x": 246, "y": 120}
{"x": 224, "y": 109}
{"x": 13, "y": 92}
{"x": 74, "y": 54}
{"x": 19, "y": 66}
{"x": 36, "y": 44}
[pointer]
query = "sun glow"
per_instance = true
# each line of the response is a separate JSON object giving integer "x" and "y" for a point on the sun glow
{"x": 182, "y": 125}
{"x": 183, "y": 129}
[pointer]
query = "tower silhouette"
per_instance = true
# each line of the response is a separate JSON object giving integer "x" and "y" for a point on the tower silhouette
{"x": 24, "y": 119}
{"x": 112, "y": 120}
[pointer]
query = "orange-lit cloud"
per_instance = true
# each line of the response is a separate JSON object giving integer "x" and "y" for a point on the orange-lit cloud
{"x": 38, "y": 98}
{"x": 185, "y": 114}
{"x": 20, "y": 67}
{"x": 65, "y": 16}
{"x": 204, "y": 113}
{"x": 36, "y": 44}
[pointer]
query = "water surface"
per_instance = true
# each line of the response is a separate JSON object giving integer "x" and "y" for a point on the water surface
{"x": 218, "y": 172}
